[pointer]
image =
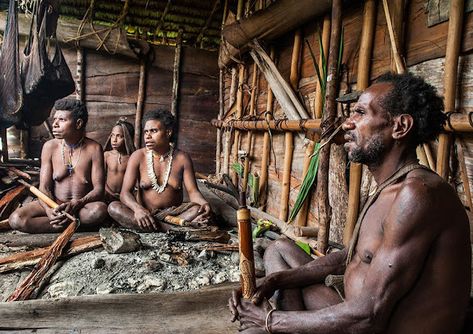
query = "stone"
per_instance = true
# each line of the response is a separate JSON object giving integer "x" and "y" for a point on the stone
{"x": 117, "y": 241}
{"x": 98, "y": 263}
{"x": 63, "y": 289}
{"x": 104, "y": 289}
{"x": 220, "y": 278}
{"x": 151, "y": 283}
{"x": 234, "y": 275}
{"x": 153, "y": 265}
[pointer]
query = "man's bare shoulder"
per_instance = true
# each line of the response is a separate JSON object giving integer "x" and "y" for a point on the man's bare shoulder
{"x": 92, "y": 144}
{"x": 51, "y": 144}
{"x": 182, "y": 156}
{"x": 138, "y": 155}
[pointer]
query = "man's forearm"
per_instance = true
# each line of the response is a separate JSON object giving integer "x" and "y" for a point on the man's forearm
{"x": 95, "y": 195}
{"x": 129, "y": 200}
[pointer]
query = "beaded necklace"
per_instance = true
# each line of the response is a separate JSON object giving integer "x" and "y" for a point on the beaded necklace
{"x": 69, "y": 163}
{"x": 159, "y": 188}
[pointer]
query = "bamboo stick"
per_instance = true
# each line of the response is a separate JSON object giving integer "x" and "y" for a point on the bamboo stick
{"x": 312, "y": 125}
{"x": 239, "y": 114}
{"x": 176, "y": 74}
{"x": 254, "y": 92}
{"x": 140, "y": 103}
{"x": 364, "y": 65}
{"x": 80, "y": 72}
{"x": 318, "y": 107}
{"x": 228, "y": 134}
{"x": 218, "y": 148}
{"x": 464, "y": 173}
{"x": 329, "y": 118}
{"x": 288, "y": 136}
{"x": 451, "y": 70}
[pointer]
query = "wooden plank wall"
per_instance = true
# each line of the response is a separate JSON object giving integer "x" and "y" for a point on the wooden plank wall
{"x": 422, "y": 44}
{"x": 111, "y": 91}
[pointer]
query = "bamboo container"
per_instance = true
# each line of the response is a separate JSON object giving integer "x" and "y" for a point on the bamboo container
{"x": 451, "y": 70}
{"x": 364, "y": 64}
{"x": 318, "y": 108}
{"x": 289, "y": 137}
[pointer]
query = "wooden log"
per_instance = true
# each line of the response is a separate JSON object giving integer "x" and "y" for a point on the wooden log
{"x": 263, "y": 185}
{"x": 247, "y": 261}
{"x": 239, "y": 114}
{"x": 177, "y": 312}
{"x": 12, "y": 195}
{"x": 36, "y": 240}
{"x": 329, "y": 118}
{"x": 364, "y": 65}
{"x": 23, "y": 259}
{"x": 140, "y": 103}
{"x": 455, "y": 25}
{"x": 306, "y": 231}
{"x": 318, "y": 107}
{"x": 277, "y": 19}
{"x": 176, "y": 74}
{"x": 200, "y": 234}
{"x": 288, "y": 136}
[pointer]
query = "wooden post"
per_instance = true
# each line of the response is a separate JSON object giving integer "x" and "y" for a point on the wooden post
{"x": 80, "y": 74}
{"x": 318, "y": 107}
{"x": 364, "y": 65}
{"x": 176, "y": 74}
{"x": 3, "y": 134}
{"x": 329, "y": 118}
{"x": 239, "y": 114}
{"x": 288, "y": 136}
{"x": 218, "y": 149}
{"x": 266, "y": 145}
{"x": 253, "y": 97}
{"x": 451, "y": 70}
{"x": 140, "y": 102}
{"x": 464, "y": 173}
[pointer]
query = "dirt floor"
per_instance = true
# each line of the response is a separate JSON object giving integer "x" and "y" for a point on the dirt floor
{"x": 162, "y": 264}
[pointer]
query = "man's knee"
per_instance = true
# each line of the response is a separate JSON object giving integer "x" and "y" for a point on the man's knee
{"x": 278, "y": 247}
{"x": 115, "y": 210}
{"x": 94, "y": 213}
{"x": 18, "y": 220}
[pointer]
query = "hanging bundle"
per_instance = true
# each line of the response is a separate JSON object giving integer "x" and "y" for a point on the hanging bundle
{"x": 44, "y": 80}
{"x": 11, "y": 91}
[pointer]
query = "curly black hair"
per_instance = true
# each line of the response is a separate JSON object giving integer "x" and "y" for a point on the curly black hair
{"x": 76, "y": 107}
{"x": 412, "y": 95}
{"x": 165, "y": 117}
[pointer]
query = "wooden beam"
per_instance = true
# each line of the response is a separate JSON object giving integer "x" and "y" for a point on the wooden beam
{"x": 207, "y": 23}
{"x": 276, "y": 125}
{"x": 329, "y": 118}
{"x": 451, "y": 71}
{"x": 277, "y": 19}
{"x": 3, "y": 134}
{"x": 176, "y": 312}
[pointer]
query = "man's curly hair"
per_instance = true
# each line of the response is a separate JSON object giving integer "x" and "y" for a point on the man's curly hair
{"x": 412, "y": 95}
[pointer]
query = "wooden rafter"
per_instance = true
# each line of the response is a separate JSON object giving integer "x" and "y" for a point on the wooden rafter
{"x": 207, "y": 23}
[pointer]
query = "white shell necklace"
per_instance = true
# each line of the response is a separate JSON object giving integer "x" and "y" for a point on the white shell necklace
{"x": 159, "y": 188}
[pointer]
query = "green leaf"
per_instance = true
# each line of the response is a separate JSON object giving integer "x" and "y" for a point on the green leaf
{"x": 305, "y": 247}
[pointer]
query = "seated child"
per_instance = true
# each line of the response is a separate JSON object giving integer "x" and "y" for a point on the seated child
{"x": 118, "y": 148}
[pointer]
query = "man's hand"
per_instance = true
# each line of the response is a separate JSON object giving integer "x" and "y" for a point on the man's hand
{"x": 204, "y": 211}
{"x": 233, "y": 304}
{"x": 266, "y": 287}
{"x": 72, "y": 207}
{"x": 56, "y": 219}
{"x": 145, "y": 220}
{"x": 252, "y": 315}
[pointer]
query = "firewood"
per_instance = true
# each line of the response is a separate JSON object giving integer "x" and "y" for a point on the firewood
{"x": 4, "y": 225}
{"x": 203, "y": 234}
{"x": 12, "y": 195}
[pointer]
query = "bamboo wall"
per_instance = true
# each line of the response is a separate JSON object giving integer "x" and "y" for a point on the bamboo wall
{"x": 424, "y": 51}
{"x": 111, "y": 91}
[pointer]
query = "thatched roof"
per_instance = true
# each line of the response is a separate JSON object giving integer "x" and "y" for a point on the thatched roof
{"x": 157, "y": 21}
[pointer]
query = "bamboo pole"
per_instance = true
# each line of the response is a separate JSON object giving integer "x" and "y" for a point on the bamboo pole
{"x": 276, "y": 125}
{"x": 218, "y": 148}
{"x": 228, "y": 134}
{"x": 140, "y": 102}
{"x": 253, "y": 97}
{"x": 464, "y": 173}
{"x": 266, "y": 145}
{"x": 318, "y": 107}
{"x": 176, "y": 74}
{"x": 451, "y": 70}
{"x": 80, "y": 74}
{"x": 288, "y": 136}
{"x": 239, "y": 114}
{"x": 364, "y": 65}
{"x": 329, "y": 118}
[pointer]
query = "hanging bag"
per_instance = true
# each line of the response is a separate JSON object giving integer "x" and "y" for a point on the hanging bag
{"x": 11, "y": 91}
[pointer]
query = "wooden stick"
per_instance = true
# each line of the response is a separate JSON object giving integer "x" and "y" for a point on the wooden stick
{"x": 318, "y": 108}
{"x": 33, "y": 280}
{"x": 253, "y": 97}
{"x": 176, "y": 74}
{"x": 140, "y": 102}
{"x": 464, "y": 173}
{"x": 275, "y": 125}
{"x": 226, "y": 146}
{"x": 239, "y": 114}
{"x": 399, "y": 62}
{"x": 364, "y": 65}
{"x": 218, "y": 148}
{"x": 4, "y": 225}
{"x": 263, "y": 186}
{"x": 288, "y": 137}
{"x": 23, "y": 259}
{"x": 454, "y": 38}
{"x": 329, "y": 118}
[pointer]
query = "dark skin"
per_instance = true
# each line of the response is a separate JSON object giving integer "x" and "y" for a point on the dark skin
{"x": 129, "y": 212}
{"x": 411, "y": 271}
{"x": 116, "y": 161}
{"x": 78, "y": 193}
